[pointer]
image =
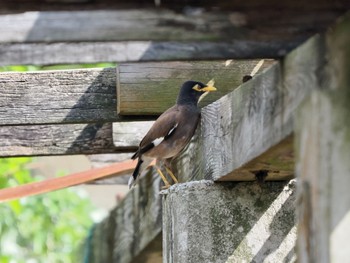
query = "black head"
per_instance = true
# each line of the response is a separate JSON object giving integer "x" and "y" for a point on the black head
{"x": 191, "y": 91}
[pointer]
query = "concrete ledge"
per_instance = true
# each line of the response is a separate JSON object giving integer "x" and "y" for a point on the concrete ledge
{"x": 229, "y": 222}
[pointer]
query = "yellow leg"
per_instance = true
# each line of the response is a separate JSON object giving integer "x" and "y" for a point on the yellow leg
{"x": 166, "y": 182}
{"x": 171, "y": 175}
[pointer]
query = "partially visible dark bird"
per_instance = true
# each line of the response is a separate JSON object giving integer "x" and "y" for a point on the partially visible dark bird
{"x": 172, "y": 131}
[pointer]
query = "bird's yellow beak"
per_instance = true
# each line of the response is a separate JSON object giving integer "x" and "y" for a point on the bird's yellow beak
{"x": 208, "y": 89}
{"x": 210, "y": 86}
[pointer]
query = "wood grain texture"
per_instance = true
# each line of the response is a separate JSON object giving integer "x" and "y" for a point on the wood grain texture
{"x": 313, "y": 5}
{"x": 150, "y": 24}
{"x": 254, "y": 20}
{"x": 113, "y": 25}
{"x": 126, "y": 135}
{"x": 130, "y": 134}
{"x": 133, "y": 51}
{"x": 131, "y": 227}
{"x": 121, "y": 137}
{"x": 138, "y": 219}
{"x": 58, "y": 140}
{"x": 249, "y": 130}
{"x": 89, "y": 95}
{"x": 277, "y": 163}
{"x": 323, "y": 154}
{"x": 151, "y": 88}
{"x": 153, "y": 252}
{"x": 68, "y": 96}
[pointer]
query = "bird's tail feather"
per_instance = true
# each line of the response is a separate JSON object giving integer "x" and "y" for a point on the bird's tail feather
{"x": 142, "y": 164}
{"x": 131, "y": 182}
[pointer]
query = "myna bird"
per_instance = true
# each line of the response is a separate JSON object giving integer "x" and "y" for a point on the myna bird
{"x": 172, "y": 131}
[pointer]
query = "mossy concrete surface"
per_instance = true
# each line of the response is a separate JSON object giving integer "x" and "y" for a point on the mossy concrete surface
{"x": 229, "y": 222}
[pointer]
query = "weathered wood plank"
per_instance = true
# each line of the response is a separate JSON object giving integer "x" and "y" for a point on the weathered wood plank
{"x": 133, "y": 51}
{"x": 237, "y": 129}
{"x": 126, "y": 135}
{"x": 113, "y": 25}
{"x": 69, "y": 96}
{"x": 313, "y": 5}
{"x": 277, "y": 162}
{"x": 58, "y": 140}
{"x": 323, "y": 154}
{"x": 153, "y": 253}
{"x": 129, "y": 134}
{"x": 133, "y": 226}
{"x": 191, "y": 24}
{"x": 248, "y": 131}
{"x": 282, "y": 26}
{"x": 89, "y": 95}
{"x": 151, "y": 88}
{"x": 74, "y": 139}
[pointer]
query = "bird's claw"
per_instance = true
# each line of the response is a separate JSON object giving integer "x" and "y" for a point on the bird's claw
{"x": 166, "y": 182}
{"x": 171, "y": 175}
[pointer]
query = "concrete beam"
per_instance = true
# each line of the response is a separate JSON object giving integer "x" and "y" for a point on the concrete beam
{"x": 229, "y": 222}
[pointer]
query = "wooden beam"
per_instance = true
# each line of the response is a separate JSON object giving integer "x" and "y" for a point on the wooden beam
{"x": 277, "y": 163}
{"x": 89, "y": 95}
{"x": 153, "y": 253}
{"x": 68, "y": 96}
{"x": 130, "y": 134}
{"x": 58, "y": 140}
{"x": 132, "y": 226}
{"x": 67, "y": 139}
{"x": 63, "y": 5}
{"x": 248, "y": 131}
{"x": 323, "y": 154}
{"x": 151, "y": 88}
{"x": 272, "y": 25}
{"x": 114, "y": 25}
{"x": 133, "y": 51}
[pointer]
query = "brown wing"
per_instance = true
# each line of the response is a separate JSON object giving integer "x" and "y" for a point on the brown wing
{"x": 161, "y": 128}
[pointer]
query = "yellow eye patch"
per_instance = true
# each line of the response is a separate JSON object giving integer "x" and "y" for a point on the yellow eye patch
{"x": 196, "y": 87}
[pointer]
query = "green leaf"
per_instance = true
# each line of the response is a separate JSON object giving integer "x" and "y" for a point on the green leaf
{"x": 43, "y": 228}
{"x": 47, "y": 227}
{"x": 15, "y": 206}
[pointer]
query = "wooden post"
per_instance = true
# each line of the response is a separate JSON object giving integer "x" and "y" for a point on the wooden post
{"x": 323, "y": 155}
{"x": 132, "y": 232}
{"x": 229, "y": 222}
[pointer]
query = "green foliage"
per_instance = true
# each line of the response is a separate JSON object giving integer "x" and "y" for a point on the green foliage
{"x": 19, "y": 68}
{"x": 43, "y": 228}
{"x": 22, "y": 68}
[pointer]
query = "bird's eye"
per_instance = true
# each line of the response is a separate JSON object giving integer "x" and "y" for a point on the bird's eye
{"x": 196, "y": 87}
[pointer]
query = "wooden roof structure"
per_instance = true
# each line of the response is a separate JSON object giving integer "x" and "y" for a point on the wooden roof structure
{"x": 256, "y": 128}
